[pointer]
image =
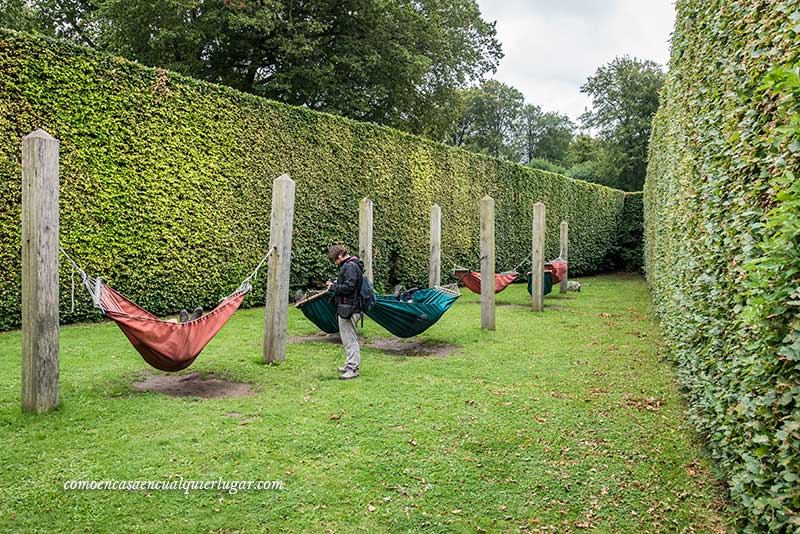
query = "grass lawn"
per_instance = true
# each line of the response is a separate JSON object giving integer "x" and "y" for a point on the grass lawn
{"x": 564, "y": 421}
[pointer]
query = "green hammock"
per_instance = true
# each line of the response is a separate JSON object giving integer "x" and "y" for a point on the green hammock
{"x": 548, "y": 283}
{"x": 403, "y": 319}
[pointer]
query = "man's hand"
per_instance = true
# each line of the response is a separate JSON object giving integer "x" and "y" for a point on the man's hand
{"x": 328, "y": 284}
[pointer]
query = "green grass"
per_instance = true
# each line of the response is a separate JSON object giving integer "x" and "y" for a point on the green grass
{"x": 543, "y": 424}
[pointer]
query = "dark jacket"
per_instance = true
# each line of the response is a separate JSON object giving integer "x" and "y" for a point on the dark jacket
{"x": 347, "y": 284}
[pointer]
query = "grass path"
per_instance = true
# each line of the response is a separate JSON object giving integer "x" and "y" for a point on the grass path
{"x": 565, "y": 421}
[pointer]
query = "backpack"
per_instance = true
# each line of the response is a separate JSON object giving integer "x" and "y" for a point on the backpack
{"x": 366, "y": 294}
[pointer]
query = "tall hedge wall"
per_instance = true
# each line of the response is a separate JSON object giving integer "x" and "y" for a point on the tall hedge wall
{"x": 627, "y": 251}
{"x": 722, "y": 212}
{"x": 166, "y": 183}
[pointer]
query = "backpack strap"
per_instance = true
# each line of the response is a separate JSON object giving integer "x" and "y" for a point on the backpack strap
{"x": 358, "y": 295}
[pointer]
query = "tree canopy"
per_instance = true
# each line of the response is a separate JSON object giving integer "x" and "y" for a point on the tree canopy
{"x": 624, "y": 96}
{"x": 395, "y": 62}
{"x": 494, "y": 119}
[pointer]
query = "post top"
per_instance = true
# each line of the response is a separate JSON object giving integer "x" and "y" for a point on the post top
{"x": 487, "y": 197}
{"x": 436, "y": 206}
{"x": 366, "y": 199}
{"x": 538, "y": 204}
{"x": 284, "y": 178}
{"x": 39, "y": 134}
{"x": 563, "y": 222}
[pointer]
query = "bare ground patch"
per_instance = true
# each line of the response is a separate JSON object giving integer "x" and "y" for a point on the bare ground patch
{"x": 414, "y": 348}
{"x": 193, "y": 385}
{"x": 320, "y": 337}
{"x": 389, "y": 345}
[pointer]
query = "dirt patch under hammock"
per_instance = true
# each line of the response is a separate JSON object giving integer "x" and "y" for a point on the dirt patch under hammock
{"x": 193, "y": 385}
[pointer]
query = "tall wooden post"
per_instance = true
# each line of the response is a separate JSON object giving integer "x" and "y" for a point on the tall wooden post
{"x": 365, "y": 235}
{"x": 564, "y": 238}
{"x": 435, "y": 263}
{"x": 280, "y": 242}
{"x": 39, "y": 272}
{"x": 487, "y": 263}
{"x": 537, "y": 258}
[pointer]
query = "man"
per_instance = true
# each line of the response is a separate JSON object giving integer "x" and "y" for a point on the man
{"x": 346, "y": 291}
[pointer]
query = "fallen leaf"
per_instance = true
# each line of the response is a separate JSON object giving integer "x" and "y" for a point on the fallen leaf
{"x": 371, "y": 508}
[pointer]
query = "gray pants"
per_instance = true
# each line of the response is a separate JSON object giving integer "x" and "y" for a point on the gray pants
{"x": 349, "y": 333}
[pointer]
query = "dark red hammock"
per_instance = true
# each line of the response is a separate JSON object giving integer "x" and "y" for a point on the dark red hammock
{"x": 165, "y": 345}
{"x": 472, "y": 280}
{"x": 558, "y": 268}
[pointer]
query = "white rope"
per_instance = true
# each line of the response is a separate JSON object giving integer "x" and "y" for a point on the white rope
{"x": 72, "y": 289}
{"x": 523, "y": 262}
{"x": 93, "y": 285}
{"x": 246, "y": 285}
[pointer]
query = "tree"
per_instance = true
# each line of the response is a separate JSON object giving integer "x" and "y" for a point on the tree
{"x": 624, "y": 95}
{"x": 395, "y": 62}
{"x": 544, "y": 135}
{"x": 583, "y": 148}
{"x": 556, "y": 133}
{"x": 20, "y": 15}
{"x": 489, "y": 120}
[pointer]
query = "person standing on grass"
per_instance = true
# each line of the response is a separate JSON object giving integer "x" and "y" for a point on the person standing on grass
{"x": 346, "y": 292}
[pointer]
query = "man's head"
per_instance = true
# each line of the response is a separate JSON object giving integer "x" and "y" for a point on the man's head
{"x": 337, "y": 253}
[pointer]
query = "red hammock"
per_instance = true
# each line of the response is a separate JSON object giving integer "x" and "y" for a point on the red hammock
{"x": 165, "y": 345}
{"x": 472, "y": 280}
{"x": 558, "y": 268}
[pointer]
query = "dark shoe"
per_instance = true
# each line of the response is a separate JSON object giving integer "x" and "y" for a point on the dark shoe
{"x": 183, "y": 317}
{"x": 348, "y": 375}
{"x": 197, "y": 313}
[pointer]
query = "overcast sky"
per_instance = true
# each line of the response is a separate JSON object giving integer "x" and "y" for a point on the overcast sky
{"x": 552, "y": 46}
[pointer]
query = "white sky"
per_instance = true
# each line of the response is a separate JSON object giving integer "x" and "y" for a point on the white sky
{"x": 552, "y": 46}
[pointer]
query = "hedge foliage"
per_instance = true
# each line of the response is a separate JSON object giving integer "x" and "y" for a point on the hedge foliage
{"x": 166, "y": 184}
{"x": 627, "y": 251}
{"x": 722, "y": 225}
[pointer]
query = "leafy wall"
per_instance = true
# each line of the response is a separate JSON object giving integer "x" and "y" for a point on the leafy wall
{"x": 722, "y": 229}
{"x": 166, "y": 184}
{"x": 627, "y": 251}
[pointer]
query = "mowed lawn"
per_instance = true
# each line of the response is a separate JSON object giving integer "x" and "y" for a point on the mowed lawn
{"x": 563, "y": 421}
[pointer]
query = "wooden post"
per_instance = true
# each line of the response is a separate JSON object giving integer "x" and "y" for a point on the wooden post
{"x": 280, "y": 242}
{"x": 487, "y": 263}
{"x": 435, "y": 263}
{"x": 365, "y": 235}
{"x": 39, "y": 272}
{"x": 564, "y": 238}
{"x": 537, "y": 258}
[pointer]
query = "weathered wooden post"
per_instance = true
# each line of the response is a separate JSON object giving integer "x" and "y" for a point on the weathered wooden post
{"x": 435, "y": 263}
{"x": 537, "y": 258}
{"x": 564, "y": 238}
{"x": 39, "y": 272}
{"x": 280, "y": 242}
{"x": 487, "y": 263}
{"x": 365, "y": 235}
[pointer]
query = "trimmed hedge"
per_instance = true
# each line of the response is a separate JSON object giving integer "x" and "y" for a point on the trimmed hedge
{"x": 166, "y": 184}
{"x": 627, "y": 251}
{"x": 722, "y": 229}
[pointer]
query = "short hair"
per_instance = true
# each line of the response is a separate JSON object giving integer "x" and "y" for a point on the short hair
{"x": 334, "y": 251}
